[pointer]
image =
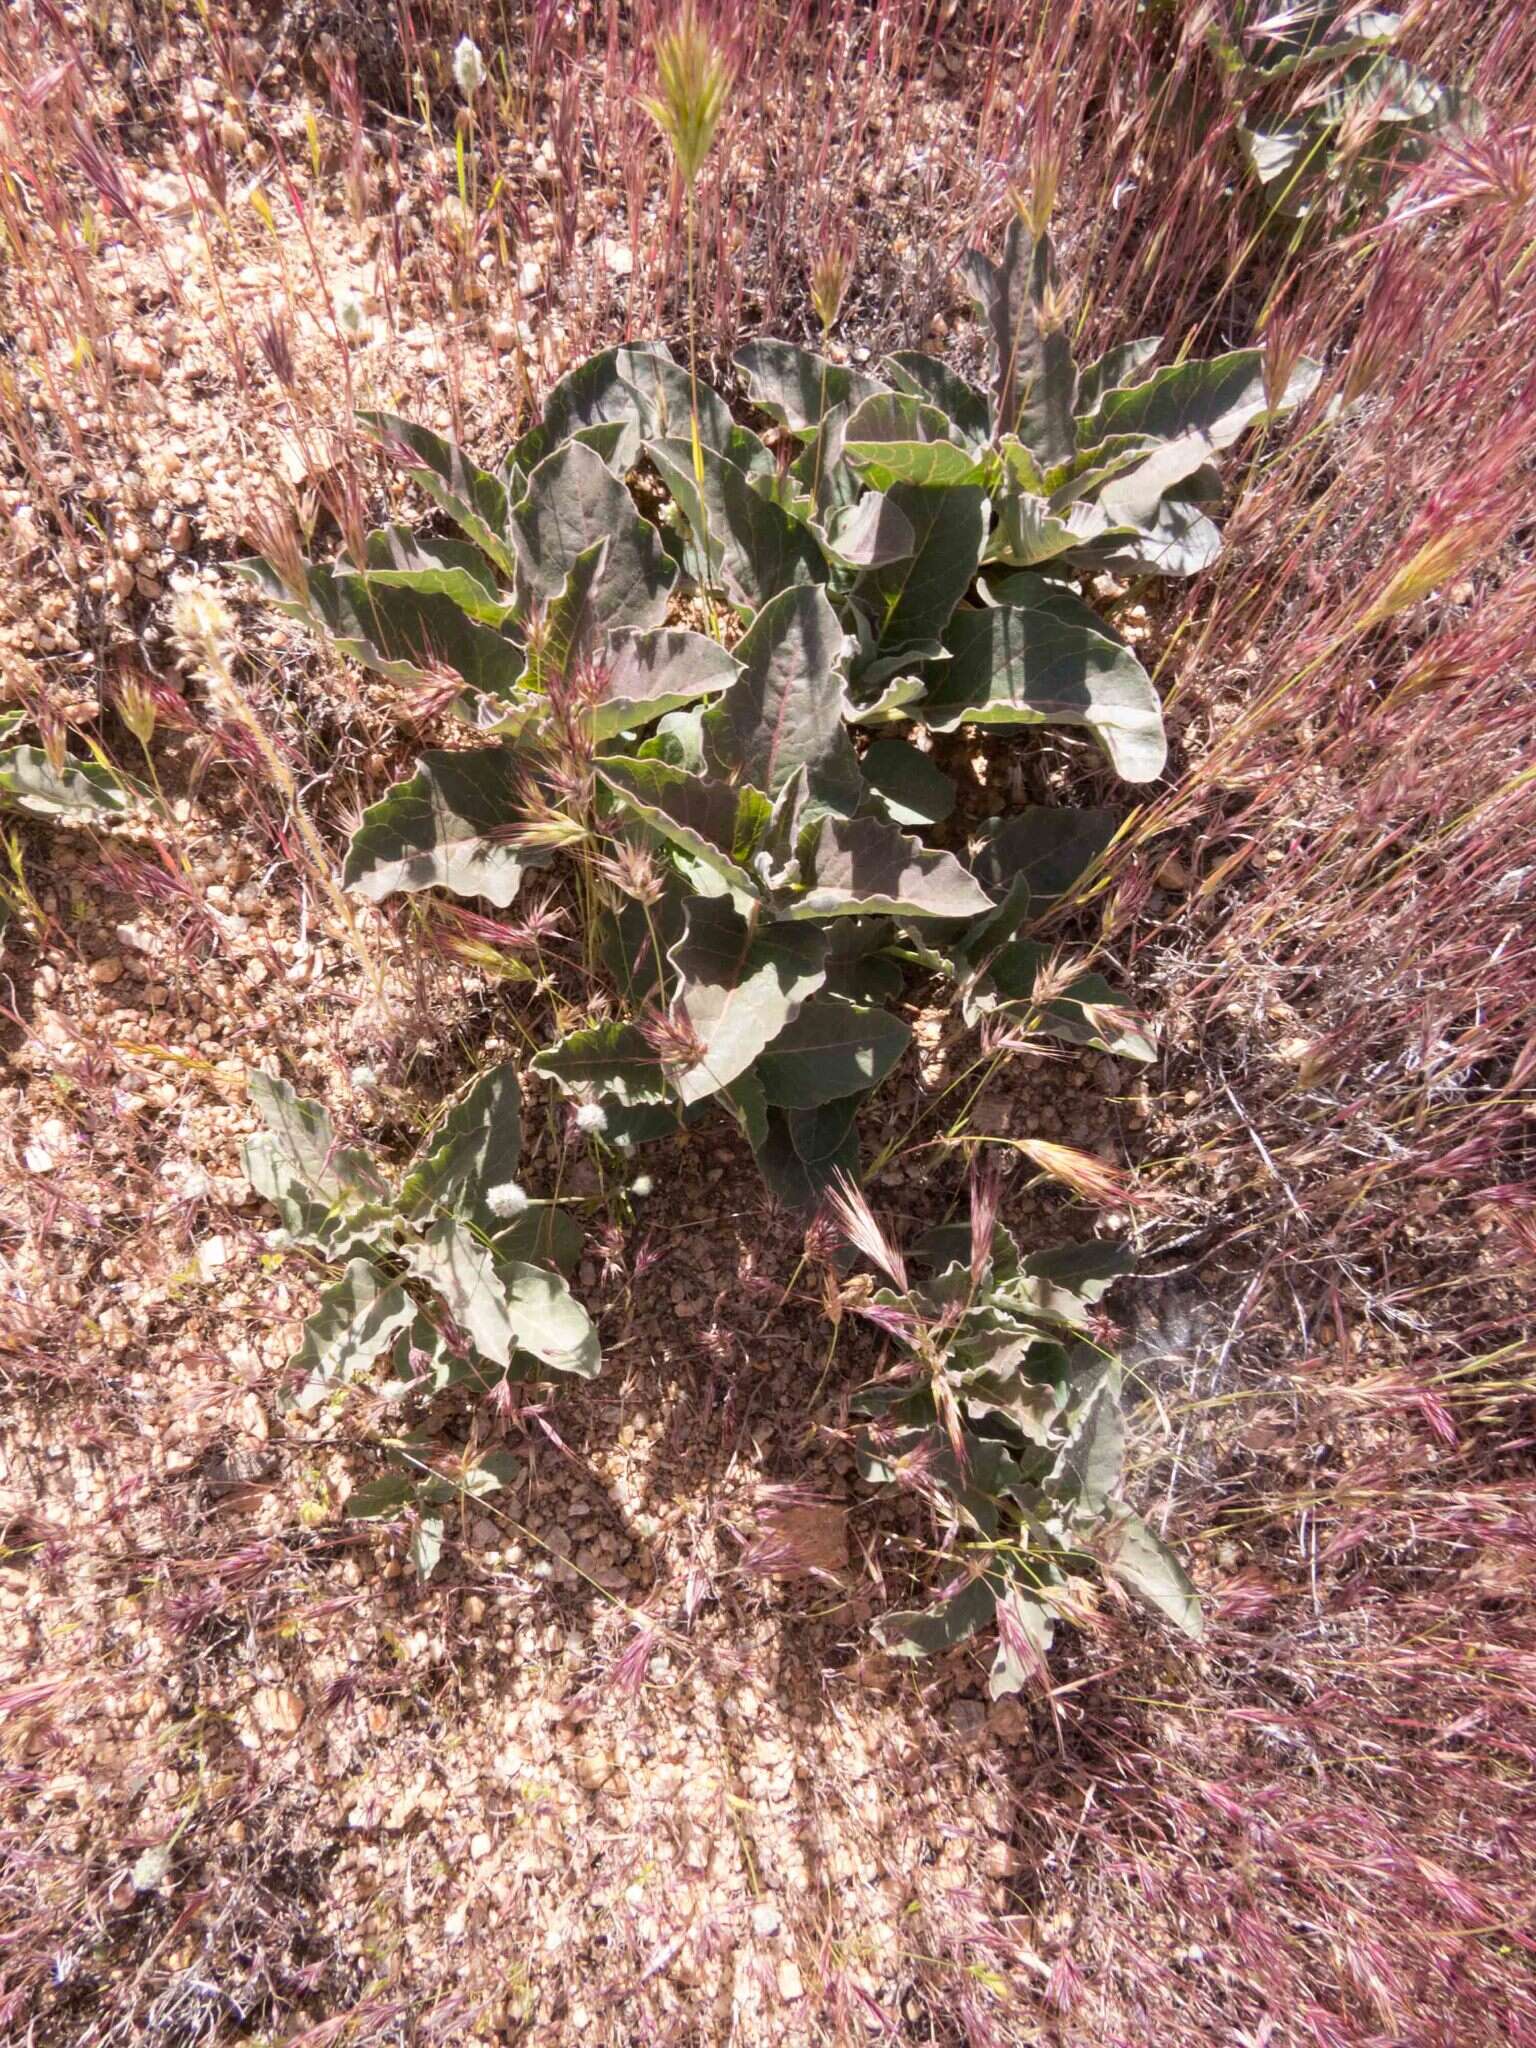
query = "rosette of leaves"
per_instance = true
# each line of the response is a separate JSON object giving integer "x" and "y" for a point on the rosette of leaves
{"x": 1004, "y": 1413}
{"x": 1326, "y": 104}
{"x": 898, "y": 549}
{"x": 791, "y": 905}
{"x": 446, "y": 1275}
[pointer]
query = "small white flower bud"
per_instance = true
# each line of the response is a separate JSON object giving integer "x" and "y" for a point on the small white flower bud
{"x": 591, "y": 1116}
{"x": 507, "y": 1201}
{"x": 641, "y": 1186}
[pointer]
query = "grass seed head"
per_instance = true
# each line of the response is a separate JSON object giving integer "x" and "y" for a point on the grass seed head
{"x": 693, "y": 77}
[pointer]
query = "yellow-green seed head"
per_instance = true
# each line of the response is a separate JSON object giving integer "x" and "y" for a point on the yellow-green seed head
{"x": 693, "y": 77}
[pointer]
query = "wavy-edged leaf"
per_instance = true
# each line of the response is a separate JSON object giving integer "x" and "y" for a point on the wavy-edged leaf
{"x": 1032, "y": 858}
{"x": 407, "y": 635}
{"x": 1194, "y": 410}
{"x": 356, "y": 1319}
{"x": 832, "y": 1048}
{"x": 1087, "y": 1467}
{"x": 868, "y": 866}
{"x": 795, "y": 387}
{"x": 912, "y": 600}
{"x": 739, "y": 538}
{"x": 894, "y": 438}
{"x": 647, "y": 674}
{"x": 801, "y": 1153}
{"x": 438, "y": 830}
{"x": 1116, "y": 370}
{"x": 1024, "y": 666}
{"x": 505, "y": 1305}
{"x": 612, "y": 1059}
{"x": 1025, "y": 1628}
{"x": 80, "y": 790}
{"x": 474, "y": 1149}
{"x": 305, "y": 1145}
{"x": 474, "y": 499}
{"x": 707, "y": 820}
{"x": 396, "y": 558}
{"x": 907, "y": 784}
{"x": 868, "y": 535}
{"x": 1034, "y": 378}
{"x": 930, "y": 1631}
{"x": 377, "y": 1499}
{"x": 739, "y": 984}
{"x": 574, "y": 501}
{"x": 1142, "y": 1562}
{"x": 929, "y": 379}
{"x": 637, "y": 387}
{"x": 562, "y": 631}
{"x": 1176, "y": 537}
{"x": 784, "y": 711}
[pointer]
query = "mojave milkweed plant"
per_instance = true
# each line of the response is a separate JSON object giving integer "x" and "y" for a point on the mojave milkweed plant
{"x": 752, "y": 814}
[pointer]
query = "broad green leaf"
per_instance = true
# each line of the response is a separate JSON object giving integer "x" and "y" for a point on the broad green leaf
{"x": 462, "y": 1272}
{"x": 439, "y": 830}
{"x": 648, "y": 674}
{"x": 640, "y": 388}
{"x": 562, "y": 630}
{"x": 1034, "y": 380}
{"x": 929, "y": 1631}
{"x": 740, "y": 538}
{"x": 802, "y": 1152}
{"x": 784, "y": 711}
{"x": 544, "y": 1235}
{"x": 474, "y": 1149}
{"x": 396, "y": 558}
{"x": 796, "y": 387}
{"x": 911, "y": 600}
{"x": 1175, "y": 538}
{"x": 739, "y": 983}
{"x": 1025, "y": 1627}
{"x": 504, "y": 1305}
{"x": 610, "y": 1058}
{"x": 1116, "y": 370}
{"x": 305, "y": 1144}
{"x": 1278, "y": 155}
{"x": 473, "y": 499}
{"x": 1025, "y": 530}
{"x": 573, "y": 501}
{"x": 833, "y": 1048}
{"x": 709, "y": 820}
{"x": 547, "y": 1320}
{"x": 1194, "y": 410}
{"x": 906, "y": 784}
{"x": 375, "y": 1499}
{"x": 1130, "y": 1552}
{"x": 1087, "y": 1468}
{"x": 1063, "y": 1284}
{"x": 1012, "y": 666}
{"x": 868, "y": 866}
{"x": 868, "y": 535}
{"x": 1029, "y": 861}
{"x": 356, "y": 1319}
{"x": 78, "y": 790}
{"x": 927, "y": 378}
{"x": 407, "y": 635}
{"x": 895, "y": 438}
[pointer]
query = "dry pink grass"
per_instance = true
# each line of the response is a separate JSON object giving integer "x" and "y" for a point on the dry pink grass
{"x": 1315, "y": 1831}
